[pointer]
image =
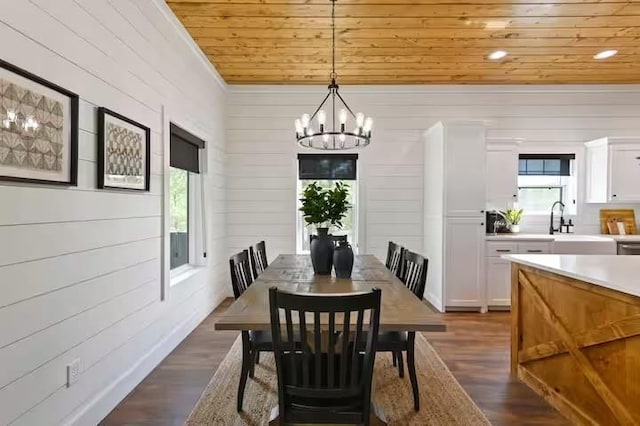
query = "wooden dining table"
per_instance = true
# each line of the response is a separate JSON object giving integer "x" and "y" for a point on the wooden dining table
{"x": 400, "y": 309}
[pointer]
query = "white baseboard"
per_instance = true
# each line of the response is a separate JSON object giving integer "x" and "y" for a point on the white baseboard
{"x": 98, "y": 407}
{"x": 435, "y": 301}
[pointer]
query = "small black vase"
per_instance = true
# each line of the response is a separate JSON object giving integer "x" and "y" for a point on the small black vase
{"x": 343, "y": 260}
{"x": 322, "y": 252}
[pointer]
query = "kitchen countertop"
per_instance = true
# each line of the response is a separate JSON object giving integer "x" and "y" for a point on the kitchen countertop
{"x": 618, "y": 273}
{"x": 562, "y": 237}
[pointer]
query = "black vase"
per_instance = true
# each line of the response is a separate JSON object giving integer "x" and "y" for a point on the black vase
{"x": 343, "y": 260}
{"x": 322, "y": 252}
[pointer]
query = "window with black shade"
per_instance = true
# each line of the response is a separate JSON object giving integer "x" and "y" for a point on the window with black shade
{"x": 544, "y": 179}
{"x": 184, "y": 171}
{"x": 326, "y": 170}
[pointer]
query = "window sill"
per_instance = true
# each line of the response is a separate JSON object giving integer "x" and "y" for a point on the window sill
{"x": 183, "y": 273}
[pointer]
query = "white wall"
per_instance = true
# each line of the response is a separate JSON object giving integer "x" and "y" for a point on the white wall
{"x": 80, "y": 269}
{"x": 262, "y": 150}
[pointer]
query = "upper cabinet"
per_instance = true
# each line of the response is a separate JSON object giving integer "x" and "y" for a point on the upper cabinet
{"x": 465, "y": 168}
{"x": 502, "y": 173}
{"x": 613, "y": 170}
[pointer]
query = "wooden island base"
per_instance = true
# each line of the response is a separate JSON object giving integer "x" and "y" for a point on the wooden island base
{"x": 577, "y": 345}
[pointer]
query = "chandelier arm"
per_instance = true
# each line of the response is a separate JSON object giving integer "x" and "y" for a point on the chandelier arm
{"x": 345, "y": 104}
{"x": 320, "y": 107}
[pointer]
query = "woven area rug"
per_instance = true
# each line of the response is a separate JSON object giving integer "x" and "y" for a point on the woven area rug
{"x": 442, "y": 399}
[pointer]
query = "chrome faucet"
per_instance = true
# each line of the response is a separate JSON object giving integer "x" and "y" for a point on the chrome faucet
{"x": 551, "y": 228}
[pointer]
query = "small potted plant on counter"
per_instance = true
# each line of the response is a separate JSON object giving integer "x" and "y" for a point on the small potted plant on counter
{"x": 513, "y": 217}
{"x": 324, "y": 207}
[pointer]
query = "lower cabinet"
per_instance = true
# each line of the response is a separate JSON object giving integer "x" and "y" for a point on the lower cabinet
{"x": 498, "y": 282}
{"x": 498, "y": 270}
{"x": 464, "y": 283}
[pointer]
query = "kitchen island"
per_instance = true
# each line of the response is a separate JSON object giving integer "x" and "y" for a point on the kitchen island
{"x": 575, "y": 336}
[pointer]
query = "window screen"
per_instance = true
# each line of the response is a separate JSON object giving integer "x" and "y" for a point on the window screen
{"x": 327, "y": 166}
{"x": 545, "y": 164}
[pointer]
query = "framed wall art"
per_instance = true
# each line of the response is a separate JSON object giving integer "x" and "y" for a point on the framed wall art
{"x": 38, "y": 129}
{"x": 124, "y": 152}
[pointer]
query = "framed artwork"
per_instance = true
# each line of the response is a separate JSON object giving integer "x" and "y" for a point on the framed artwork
{"x": 124, "y": 152}
{"x": 38, "y": 129}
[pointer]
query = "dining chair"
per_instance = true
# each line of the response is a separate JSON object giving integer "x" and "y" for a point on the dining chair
{"x": 253, "y": 342}
{"x": 326, "y": 379}
{"x": 394, "y": 258}
{"x": 414, "y": 276}
{"x": 258, "y": 255}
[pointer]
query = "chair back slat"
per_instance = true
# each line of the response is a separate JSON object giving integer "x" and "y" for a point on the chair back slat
{"x": 240, "y": 268}
{"x": 258, "y": 254}
{"x": 414, "y": 273}
{"x": 394, "y": 258}
{"x": 330, "y": 362}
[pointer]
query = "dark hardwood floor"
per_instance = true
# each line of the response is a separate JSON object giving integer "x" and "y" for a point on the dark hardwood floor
{"x": 475, "y": 348}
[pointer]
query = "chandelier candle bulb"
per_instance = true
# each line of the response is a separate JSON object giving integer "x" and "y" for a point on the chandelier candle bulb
{"x": 368, "y": 124}
{"x": 305, "y": 120}
{"x": 299, "y": 128}
{"x": 359, "y": 119}
{"x": 343, "y": 116}
{"x": 322, "y": 117}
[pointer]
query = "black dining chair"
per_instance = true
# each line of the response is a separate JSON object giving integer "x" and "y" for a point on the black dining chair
{"x": 258, "y": 255}
{"x": 327, "y": 378}
{"x": 414, "y": 276}
{"x": 394, "y": 258}
{"x": 253, "y": 342}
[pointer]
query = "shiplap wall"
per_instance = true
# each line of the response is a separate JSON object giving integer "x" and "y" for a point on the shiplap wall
{"x": 80, "y": 269}
{"x": 262, "y": 152}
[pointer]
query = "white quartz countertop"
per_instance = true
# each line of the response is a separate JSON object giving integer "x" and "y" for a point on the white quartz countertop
{"x": 562, "y": 237}
{"x": 620, "y": 273}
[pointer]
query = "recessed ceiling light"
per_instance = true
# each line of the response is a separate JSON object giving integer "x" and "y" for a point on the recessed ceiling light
{"x": 605, "y": 54}
{"x": 498, "y": 54}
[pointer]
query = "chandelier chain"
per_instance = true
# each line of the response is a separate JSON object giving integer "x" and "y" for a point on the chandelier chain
{"x": 333, "y": 39}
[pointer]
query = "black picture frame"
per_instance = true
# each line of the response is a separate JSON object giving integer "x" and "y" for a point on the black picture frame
{"x": 73, "y": 130}
{"x": 103, "y": 114}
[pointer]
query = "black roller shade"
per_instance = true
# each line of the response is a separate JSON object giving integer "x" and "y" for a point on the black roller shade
{"x": 184, "y": 149}
{"x": 327, "y": 166}
{"x": 545, "y": 164}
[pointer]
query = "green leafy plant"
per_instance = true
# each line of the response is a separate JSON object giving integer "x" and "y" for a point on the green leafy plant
{"x": 513, "y": 216}
{"x": 325, "y": 206}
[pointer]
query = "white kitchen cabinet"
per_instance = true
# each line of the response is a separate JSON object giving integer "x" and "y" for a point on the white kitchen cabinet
{"x": 465, "y": 169}
{"x": 613, "y": 170}
{"x": 498, "y": 282}
{"x": 464, "y": 263}
{"x": 453, "y": 214}
{"x": 502, "y": 174}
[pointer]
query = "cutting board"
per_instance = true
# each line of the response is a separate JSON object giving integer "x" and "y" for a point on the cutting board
{"x": 608, "y": 217}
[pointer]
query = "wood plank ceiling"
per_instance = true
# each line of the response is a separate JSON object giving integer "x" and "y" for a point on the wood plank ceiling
{"x": 416, "y": 42}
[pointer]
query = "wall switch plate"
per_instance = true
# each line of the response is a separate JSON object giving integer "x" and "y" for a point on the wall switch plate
{"x": 73, "y": 372}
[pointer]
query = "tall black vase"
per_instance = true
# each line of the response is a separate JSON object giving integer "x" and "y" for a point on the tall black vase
{"x": 343, "y": 260}
{"x": 322, "y": 252}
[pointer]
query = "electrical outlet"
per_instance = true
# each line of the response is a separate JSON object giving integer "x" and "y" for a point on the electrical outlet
{"x": 73, "y": 372}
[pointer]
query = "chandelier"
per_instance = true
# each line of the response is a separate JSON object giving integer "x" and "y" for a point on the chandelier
{"x": 333, "y": 135}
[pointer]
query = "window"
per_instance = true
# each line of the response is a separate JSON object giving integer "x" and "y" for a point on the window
{"x": 184, "y": 198}
{"x": 326, "y": 170}
{"x": 544, "y": 179}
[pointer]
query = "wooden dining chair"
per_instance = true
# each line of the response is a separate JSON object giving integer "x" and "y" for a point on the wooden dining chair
{"x": 326, "y": 379}
{"x": 258, "y": 255}
{"x": 394, "y": 258}
{"x": 253, "y": 342}
{"x": 414, "y": 276}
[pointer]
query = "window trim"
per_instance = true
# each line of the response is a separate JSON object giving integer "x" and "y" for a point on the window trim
{"x": 197, "y": 225}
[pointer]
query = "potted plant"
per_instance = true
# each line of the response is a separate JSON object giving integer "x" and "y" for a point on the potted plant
{"x": 324, "y": 207}
{"x": 513, "y": 217}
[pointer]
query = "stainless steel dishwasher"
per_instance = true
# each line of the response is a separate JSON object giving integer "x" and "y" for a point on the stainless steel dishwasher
{"x": 628, "y": 248}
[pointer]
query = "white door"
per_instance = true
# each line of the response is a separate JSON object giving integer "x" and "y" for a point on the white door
{"x": 625, "y": 173}
{"x": 498, "y": 282}
{"x": 502, "y": 176}
{"x": 464, "y": 263}
{"x": 465, "y": 169}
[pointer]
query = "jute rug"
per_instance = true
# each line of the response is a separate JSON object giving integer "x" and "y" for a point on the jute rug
{"x": 442, "y": 399}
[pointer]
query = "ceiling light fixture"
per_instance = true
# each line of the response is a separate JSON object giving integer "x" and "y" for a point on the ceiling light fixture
{"x": 331, "y": 133}
{"x": 498, "y": 54}
{"x": 605, "y": 54}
